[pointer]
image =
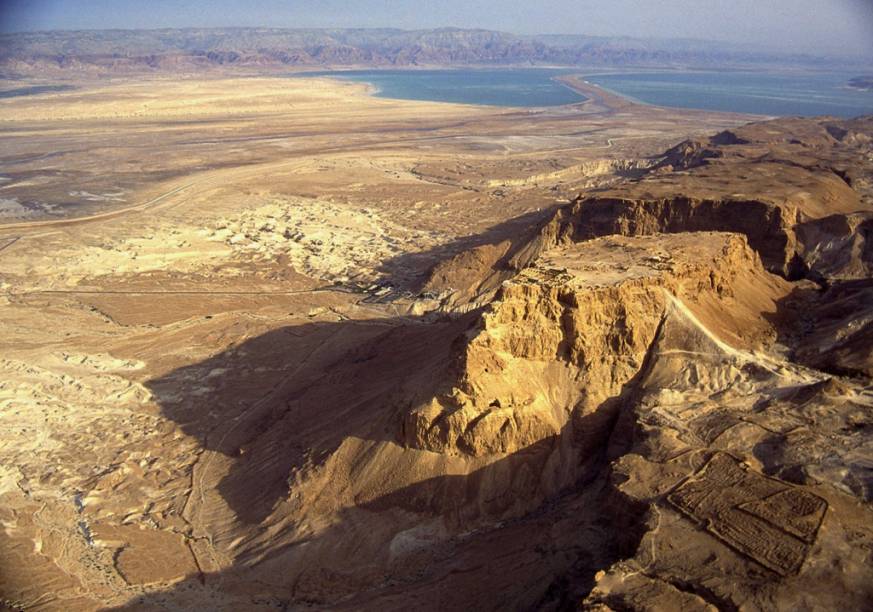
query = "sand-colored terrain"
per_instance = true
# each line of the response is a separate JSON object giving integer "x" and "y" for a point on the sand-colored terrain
{"x": 275, "y": 343}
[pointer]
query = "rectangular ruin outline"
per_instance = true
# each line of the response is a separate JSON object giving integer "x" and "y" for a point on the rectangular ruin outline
{"x": 707, "y": 524}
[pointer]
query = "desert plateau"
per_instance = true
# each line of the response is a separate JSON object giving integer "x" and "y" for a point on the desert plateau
{"x": 273, "y": 342}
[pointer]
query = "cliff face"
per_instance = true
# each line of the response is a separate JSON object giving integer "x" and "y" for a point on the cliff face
{"x": 799, "y": 190}
{"x": 569, "y": 333}
{"x": 767, "y": 227}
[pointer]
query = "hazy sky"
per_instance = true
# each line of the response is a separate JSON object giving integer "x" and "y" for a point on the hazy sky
{"x": 796, "y": 25}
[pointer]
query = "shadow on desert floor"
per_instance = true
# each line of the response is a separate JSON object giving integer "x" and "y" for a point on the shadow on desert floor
{"x": 287, "y": 400}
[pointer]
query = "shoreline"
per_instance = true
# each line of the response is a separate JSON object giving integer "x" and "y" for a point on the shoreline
{"x": 597, "y": 95}
{"x": 615, "y": 102}
{"x": 375, "y": 90}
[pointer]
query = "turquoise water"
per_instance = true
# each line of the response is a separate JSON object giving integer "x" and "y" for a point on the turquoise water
{"x": 805, "y": 94}
{"x": 509, "y": 87}
{"x": 743, "y": 92}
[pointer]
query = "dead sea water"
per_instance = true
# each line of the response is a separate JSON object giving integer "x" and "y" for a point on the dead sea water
{"x": 761, "y": 93}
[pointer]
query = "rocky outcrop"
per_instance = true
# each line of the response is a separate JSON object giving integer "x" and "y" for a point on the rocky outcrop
{"x": 834, "y": 328}
{"x": 838, "y": 247}
{"x": 768, "y": 227}
{"x": 807, "y": 215}
{"x": 561, "y": 340}
{"x": 713, "y": 426}
{"x": 691, "y": 153}
{"x": 588, "y": 170}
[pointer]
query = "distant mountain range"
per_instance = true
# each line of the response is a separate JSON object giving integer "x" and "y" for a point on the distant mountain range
{"x": 111, "y": 51}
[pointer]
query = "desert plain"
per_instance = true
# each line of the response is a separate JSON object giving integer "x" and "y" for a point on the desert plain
{"x": 278, "y": 343}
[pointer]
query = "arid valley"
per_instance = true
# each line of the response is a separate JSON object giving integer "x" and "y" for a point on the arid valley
{"x": 278, "y": 343}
